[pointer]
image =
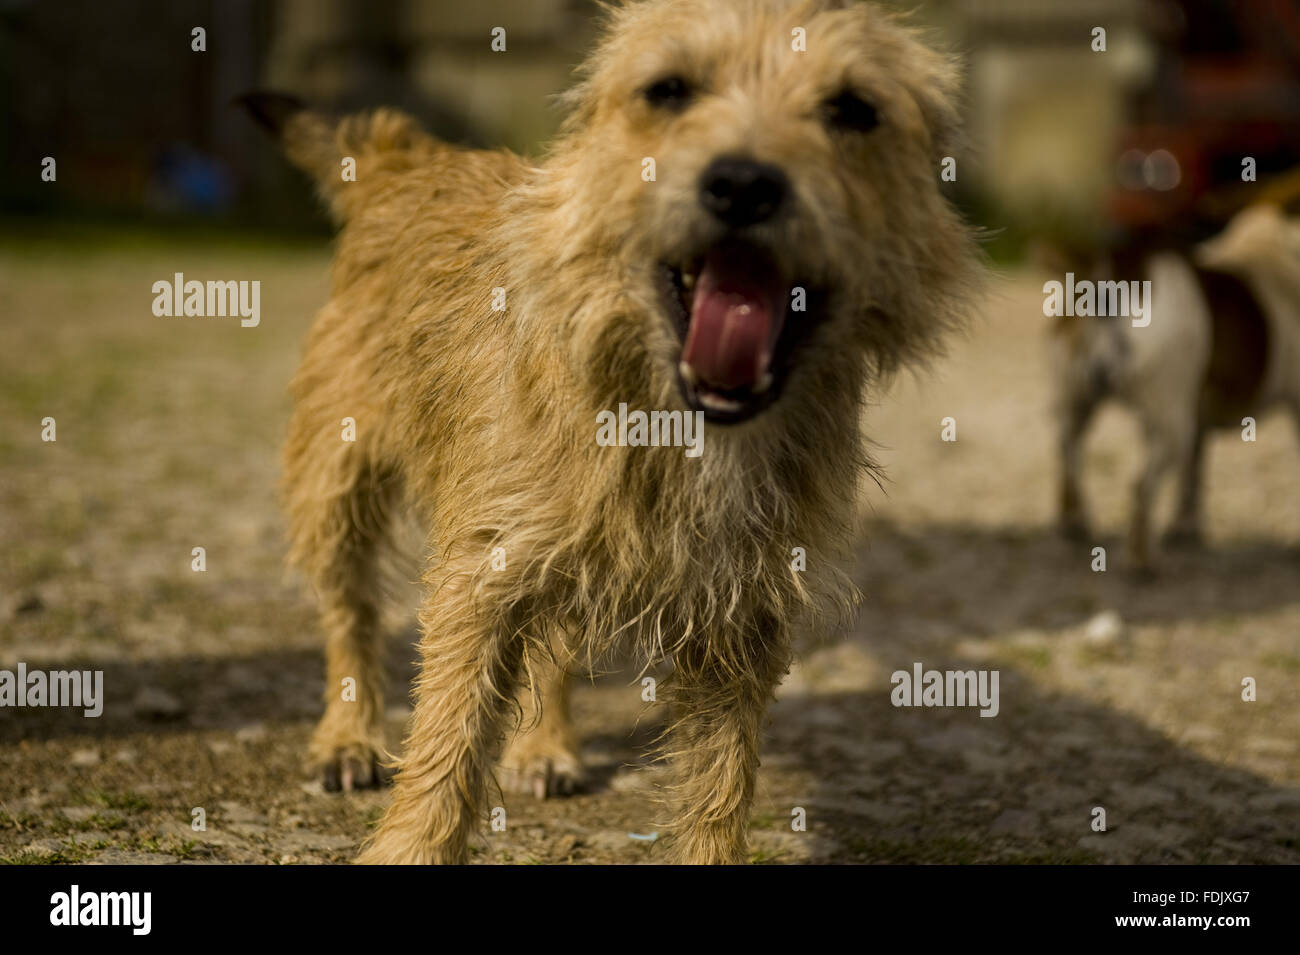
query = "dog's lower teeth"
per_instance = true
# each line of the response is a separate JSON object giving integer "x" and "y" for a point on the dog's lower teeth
{"x": 719, "y": 403}
{"x": 763, "y": 383}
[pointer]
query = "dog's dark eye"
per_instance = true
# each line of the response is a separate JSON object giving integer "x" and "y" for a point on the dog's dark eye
{"x": 671, "y": 92}
{"x": 850, "y": 111}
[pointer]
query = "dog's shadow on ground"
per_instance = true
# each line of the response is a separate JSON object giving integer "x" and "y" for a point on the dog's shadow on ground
{"x": 988, "y": 581}
{"x": 945, "y": 785}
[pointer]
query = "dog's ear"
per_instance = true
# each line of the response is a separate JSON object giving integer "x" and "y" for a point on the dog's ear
{"x": 309, "y": 139}
{"x": 270, "y": 109}
{"x": 938, "y": 91}
{"x": 319, "y": 144}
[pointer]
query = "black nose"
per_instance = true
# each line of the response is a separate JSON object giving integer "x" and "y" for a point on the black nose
{"x": 742, "y": 192}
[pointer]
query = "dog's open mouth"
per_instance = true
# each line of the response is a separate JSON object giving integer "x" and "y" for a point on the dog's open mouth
{"x": 732, "y": 305}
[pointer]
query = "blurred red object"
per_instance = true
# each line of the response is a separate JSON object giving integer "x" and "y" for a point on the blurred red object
{"x": 1226, "y": 89}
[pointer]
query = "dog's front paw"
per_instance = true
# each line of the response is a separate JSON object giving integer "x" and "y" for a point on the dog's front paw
{"x": 543, "y": 768}
{"x": 353, "y": 766}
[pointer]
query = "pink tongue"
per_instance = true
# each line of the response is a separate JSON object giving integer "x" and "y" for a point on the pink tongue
{"x": 735, "y": 320}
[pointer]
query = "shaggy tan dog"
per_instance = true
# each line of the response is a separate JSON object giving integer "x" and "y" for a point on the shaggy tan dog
{"x": 738, "y": 228}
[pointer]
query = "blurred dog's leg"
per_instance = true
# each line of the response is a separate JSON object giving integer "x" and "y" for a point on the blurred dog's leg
{"x": 1170, "y": 440}
{"x": 1185, "y": 531}
{"x": 1072, "y": 425}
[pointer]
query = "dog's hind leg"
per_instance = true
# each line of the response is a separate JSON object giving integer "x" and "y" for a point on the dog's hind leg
{"x": 338, "y": 520}
{"x": 714, "y": 747}
{"x": 468, "y": 674}
{"x": 1185, "y": 531}
{"x": 543, "y": 757}
{"x": 1167, "y": 375}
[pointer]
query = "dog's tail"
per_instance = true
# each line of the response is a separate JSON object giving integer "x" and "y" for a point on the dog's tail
{"x": 342, "y": 156}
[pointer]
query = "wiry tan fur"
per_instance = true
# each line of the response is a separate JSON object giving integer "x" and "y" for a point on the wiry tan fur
{"x": 484, "y": 422}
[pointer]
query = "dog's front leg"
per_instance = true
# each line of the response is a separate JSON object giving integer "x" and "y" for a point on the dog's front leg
{"x": 467, "y": 679}
{"x": 715, "y": 740}
{"x": 1170, "y": 432}
{"x": 1073, "y": 421}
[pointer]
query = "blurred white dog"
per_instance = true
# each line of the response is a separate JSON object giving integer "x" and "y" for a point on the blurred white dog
{"x": 1223, "y": 343}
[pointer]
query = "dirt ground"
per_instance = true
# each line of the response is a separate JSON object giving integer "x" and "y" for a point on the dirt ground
{"x": 1116, "y": 692}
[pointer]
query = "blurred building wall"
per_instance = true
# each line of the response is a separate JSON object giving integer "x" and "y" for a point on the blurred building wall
{"x": 114, "y": 92}
{"x": 141, "y": 125}
{"x": 436, "y": 60}
{"x": 1045, "y": 109}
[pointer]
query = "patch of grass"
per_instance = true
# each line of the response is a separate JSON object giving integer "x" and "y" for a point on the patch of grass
{"x": 105, "y": 822}
{"x": 124, "y": 801}
{"x": 176, "y": 589}
{"x": 185, "y": 849}
{"x": 1038, "y": 658}
{"x": 766, "y": 856}
{"x": 28, "y": 393}
{"x": 31, "y": 858}
{"x": 87, "y": 401}
{"x": 1282, "y": 661}
{"x": 19, "y": 822}
{"x": 99, "y": 821}
{"x": 39, "y": 563}
{"x": 67, "y": 854}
